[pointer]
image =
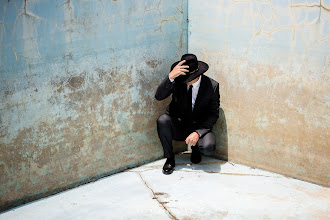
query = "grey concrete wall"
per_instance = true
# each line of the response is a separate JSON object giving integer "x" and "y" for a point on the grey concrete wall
{"x": 272, "y": 61}
{"x": 77, "y": 89}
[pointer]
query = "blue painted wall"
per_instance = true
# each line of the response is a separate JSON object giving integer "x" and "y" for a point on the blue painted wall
{"x": 77, "y": 89}
{"x": 272, "y": 61}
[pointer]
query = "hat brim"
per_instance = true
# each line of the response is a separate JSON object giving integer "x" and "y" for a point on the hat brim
{"x": 202, "y": 68}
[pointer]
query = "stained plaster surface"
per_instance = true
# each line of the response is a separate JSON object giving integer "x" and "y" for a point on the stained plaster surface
{"x": 214, "y": 189}
{"x": 77, "y": 85}
{"x": 272, "y": 61}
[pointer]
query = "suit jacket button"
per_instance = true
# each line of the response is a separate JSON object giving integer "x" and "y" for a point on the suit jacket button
{"x": 179, "y": 119}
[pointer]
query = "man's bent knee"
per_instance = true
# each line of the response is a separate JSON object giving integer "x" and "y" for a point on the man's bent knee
{"x": 208, "y": 144}
{"x": 163, "y": 119}
{"x": 208, "y": 150}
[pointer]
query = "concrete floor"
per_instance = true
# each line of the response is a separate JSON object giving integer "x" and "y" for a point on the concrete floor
{"x": 214, "y": 189}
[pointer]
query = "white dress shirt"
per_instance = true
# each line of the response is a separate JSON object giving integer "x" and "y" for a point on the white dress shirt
{"x": 195, "y": 89}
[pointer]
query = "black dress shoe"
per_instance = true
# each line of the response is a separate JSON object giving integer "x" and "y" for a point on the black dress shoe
{"x": 195, "y": 156}
{"x": 169, "y": 166}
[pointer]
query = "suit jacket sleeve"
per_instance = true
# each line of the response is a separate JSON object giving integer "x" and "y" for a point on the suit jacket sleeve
{"x": 165, "y": 89}
{"x": 213, "y": 116}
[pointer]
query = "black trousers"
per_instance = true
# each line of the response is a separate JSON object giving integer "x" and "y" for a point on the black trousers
{"x": 169, "y": 130}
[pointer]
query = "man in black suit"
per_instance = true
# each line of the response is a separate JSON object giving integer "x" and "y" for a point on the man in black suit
{"x": 193, "y": 111}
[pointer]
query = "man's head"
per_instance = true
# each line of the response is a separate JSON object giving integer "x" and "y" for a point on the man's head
{"x": 196, "y": 68}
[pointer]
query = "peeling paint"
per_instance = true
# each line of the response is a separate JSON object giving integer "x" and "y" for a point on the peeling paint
{"x": 153, "y": 63}
{"x": 77, "y": 90}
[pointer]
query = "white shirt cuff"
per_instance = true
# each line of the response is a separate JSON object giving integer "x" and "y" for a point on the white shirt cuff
{"x": 172, "y": 80}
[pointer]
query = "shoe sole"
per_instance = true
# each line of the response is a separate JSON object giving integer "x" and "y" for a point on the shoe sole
{"x": 167, "y": 173}
{"x": 195, "y": 161}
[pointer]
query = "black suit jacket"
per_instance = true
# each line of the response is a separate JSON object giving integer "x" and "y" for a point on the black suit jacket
{"x": 206, "y": 109}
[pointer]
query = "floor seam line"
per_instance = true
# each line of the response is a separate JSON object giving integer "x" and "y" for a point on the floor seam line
{"x": 234, "y": 174}
{"x": 195, "y": 171}
{"x": 156, "y": 197}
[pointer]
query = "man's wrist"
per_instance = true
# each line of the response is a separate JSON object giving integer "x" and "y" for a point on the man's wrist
{"x": 172, "y": 80}
{"x": 198, "y": 133}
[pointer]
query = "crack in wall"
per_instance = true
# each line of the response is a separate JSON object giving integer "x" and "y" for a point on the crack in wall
{"x": 321, "y": 5}
{"x": 155, "y": 196}
{"x": 266, "y": 26}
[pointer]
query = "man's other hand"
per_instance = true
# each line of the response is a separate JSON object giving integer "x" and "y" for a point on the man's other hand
{"x": 178, "y": 70}
{"x": 192, "y": 139}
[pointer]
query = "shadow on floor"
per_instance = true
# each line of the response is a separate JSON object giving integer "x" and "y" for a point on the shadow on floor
{"x": 207, "y": 164}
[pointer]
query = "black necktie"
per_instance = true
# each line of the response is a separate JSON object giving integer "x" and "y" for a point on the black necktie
{"x": 189, "y": 104}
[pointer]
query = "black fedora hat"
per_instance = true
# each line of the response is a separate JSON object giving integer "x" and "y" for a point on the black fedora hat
{"x": 196, "y": 68}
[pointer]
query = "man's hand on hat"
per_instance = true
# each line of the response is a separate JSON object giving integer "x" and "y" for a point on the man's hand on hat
{"x": 179, "y": 70}
{"x": 192, "y": 139}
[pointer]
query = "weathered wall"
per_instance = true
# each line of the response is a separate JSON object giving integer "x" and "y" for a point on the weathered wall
{"x": 77, "y": 89}
{"x": 272, "y": 61}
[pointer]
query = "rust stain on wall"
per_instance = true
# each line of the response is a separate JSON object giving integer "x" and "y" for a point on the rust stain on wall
{"x": 92, "y": 133}
{"x": 76, "y": 82}
{"x": 277, "y": 125}
{"x": 153, "y": 63}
